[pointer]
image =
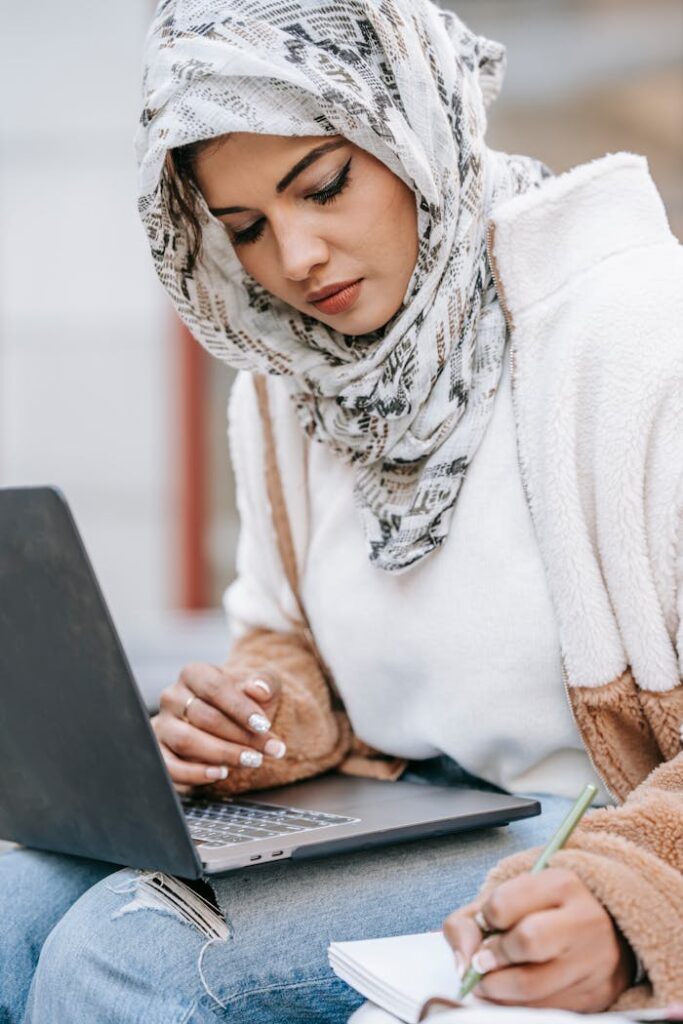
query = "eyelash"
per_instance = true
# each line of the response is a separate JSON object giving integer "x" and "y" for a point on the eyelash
{"x": 324, "y": 196}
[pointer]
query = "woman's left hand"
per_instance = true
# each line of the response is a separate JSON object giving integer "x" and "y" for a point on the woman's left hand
{"x": 558, "y": 945}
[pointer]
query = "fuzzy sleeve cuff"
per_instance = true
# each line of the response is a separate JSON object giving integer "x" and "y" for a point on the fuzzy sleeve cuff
{"x": 317, "y": 736}
{"x": 631, "y": 859}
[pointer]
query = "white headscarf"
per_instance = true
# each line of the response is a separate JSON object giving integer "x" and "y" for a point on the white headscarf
{"x": 408, "y": 404}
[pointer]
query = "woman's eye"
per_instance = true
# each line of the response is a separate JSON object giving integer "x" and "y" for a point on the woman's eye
{"x": 335, "y": 188}
{"x": 323, "y": 196}
{"x": 250, "y": 234}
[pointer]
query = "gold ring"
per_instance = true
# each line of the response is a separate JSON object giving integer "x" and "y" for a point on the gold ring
{"x": 482, "y": 923}
{"x": 187, "y": 707}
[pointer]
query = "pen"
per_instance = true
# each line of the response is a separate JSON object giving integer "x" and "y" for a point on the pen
{"x": 583, "y": 802}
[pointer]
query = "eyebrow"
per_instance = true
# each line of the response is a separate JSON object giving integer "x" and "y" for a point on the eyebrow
{"x": 298, "y": 168}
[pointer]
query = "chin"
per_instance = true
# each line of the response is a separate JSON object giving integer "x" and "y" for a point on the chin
{"x": 357, "y": 323}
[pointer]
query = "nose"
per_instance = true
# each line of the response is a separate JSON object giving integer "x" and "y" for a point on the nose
{"x": 301, "y": 249}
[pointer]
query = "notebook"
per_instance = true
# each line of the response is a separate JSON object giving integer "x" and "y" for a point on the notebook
{"x": 490, "y": 1014}
{"x": 403, "y": 973}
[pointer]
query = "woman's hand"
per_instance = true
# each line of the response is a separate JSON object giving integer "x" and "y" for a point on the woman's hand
{"x": 211, "y": 720}
{"x": 558, "y": 945}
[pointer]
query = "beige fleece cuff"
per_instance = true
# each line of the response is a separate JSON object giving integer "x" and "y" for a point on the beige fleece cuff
{"x": 317, "y": 737}
{"x": 643, "y": 894}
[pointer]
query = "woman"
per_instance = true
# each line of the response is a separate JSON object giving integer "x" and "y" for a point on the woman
{"x": 477, "y": 437}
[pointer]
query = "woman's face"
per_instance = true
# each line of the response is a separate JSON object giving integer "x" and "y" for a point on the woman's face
{"x": 307, "y": 213}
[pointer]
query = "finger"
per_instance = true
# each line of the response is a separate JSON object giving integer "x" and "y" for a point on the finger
{"x": 216, "y": 687}
{"x": 264, "y": 687}
{"x": 189, "y": 773}
{"x": 210, "y": 720}
{"x": 526, "y": 894}
{"x": 559, "y": 983}
{"x": 537, "y": 938}
{"x": 462, "y": 934}
{"x": 192, "y": 744}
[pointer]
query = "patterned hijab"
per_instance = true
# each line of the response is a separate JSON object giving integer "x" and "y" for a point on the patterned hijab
{"x": 408, "y": 404}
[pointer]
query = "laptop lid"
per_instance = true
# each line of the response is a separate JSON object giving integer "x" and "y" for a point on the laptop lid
{"x": 80, "y": 769}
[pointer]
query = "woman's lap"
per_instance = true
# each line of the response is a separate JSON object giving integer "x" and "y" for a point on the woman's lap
{"x": 110, "y": 960}
{"x": 36, "y": 890}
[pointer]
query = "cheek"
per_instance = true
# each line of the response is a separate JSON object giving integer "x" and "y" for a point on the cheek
{"x": 392, "y": 226}
{"x": 394, "y": 208}
{"x": 260, "y": 264}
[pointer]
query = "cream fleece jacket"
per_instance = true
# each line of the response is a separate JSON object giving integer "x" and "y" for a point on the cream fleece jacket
{"x": 592, "y": 283}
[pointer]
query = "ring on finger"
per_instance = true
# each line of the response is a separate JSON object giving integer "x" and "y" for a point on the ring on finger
{"x": 186, "y": 708}
{"x": 481, "y": 923}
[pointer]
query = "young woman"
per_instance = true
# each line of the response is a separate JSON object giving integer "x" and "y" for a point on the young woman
{"x": 466, "y": 380}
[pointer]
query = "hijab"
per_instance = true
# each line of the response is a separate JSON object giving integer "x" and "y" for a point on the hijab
{"x": 406, "y": 405}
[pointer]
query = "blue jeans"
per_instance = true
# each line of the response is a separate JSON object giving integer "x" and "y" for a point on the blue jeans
{"x": 75, "y": 948}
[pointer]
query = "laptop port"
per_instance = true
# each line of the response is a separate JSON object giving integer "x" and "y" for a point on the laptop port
{"x": 277, "y": 853}
{"x": 257, "y": 856}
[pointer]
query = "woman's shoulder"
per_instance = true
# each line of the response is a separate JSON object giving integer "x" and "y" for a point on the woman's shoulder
{"x": 592, "y": 278}
{"x": 594, "y": 242}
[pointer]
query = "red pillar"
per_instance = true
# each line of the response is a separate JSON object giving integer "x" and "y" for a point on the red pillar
{"x": 194, "y": 576}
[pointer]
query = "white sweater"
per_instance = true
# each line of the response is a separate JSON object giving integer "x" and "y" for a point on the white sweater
{"x": 436, "y": 659}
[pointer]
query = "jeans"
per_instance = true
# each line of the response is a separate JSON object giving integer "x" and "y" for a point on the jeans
{"x": 76, "y": 945}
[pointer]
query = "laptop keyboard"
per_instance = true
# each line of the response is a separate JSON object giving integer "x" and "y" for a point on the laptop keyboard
{"x": 223, "y": 823}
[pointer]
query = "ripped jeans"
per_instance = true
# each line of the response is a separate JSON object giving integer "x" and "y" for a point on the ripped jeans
{"x": 81, "y": 941}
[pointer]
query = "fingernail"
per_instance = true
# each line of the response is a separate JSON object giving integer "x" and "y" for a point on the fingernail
{"x": 251, "y": 758}
{"x": 216, "y": 773}
{"x": 484, "y": 961}
{"x": 275, "y": 748}
{"x": 460, "y": 964}
{"x": 259, "y": 723}
{"x": 262, "y": 684}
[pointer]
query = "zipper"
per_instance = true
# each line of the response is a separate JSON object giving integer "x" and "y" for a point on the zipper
{"x": 490, "y": 232}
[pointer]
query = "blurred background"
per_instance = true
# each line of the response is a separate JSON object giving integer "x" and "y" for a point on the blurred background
{"x": 102, "y": 393}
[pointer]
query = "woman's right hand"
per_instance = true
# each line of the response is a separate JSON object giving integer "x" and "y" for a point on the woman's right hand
{"x": 212, "y": 720}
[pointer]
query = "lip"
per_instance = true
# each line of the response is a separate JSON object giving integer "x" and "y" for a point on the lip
{"x": 330, "y": 289}
{"x": 338, "y": 297}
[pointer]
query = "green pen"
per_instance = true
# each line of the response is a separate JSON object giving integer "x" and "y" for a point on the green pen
{"x": 473, "y": 977}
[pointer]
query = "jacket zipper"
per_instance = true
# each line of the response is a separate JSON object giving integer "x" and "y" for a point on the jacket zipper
{"x": 500, "y": 291}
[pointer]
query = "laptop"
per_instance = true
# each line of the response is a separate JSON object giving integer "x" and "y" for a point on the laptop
{"x": 81, "y": 772}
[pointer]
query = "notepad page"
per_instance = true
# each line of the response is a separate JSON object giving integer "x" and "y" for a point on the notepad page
{"x": 399, "y": 973}
{"x": 372, "y": 1014}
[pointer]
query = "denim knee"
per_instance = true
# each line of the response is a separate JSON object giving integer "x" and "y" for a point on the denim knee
{"x": 36, "y": 890}
{"x": 121, "y": 955}
{"x": 116, "y": 956}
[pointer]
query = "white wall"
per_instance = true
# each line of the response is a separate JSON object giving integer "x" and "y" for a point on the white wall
{"x": 86, "y": 361}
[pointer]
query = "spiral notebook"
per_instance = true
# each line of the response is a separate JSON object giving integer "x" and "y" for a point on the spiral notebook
{"x": 409, "y": 974}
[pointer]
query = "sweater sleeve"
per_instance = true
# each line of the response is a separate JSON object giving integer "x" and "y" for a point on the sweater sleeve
{"x": 679, "y": 583}
{"x": 631, "y": 858}
{"x": 260, "y": 596}
{"x": 317, "y": 736}
{"x": 263, "y": 616}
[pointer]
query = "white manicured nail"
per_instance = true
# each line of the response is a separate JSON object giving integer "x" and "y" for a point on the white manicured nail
{"x": 460, "y": 965}
{"x": 275, "y": 748}
{"x": 259, "y": 723}
{"x": 251, "y": 759}
{"x": 216, "y": 773}
{"x": 484, "y": 961}
{"x": 262, "y": 684}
